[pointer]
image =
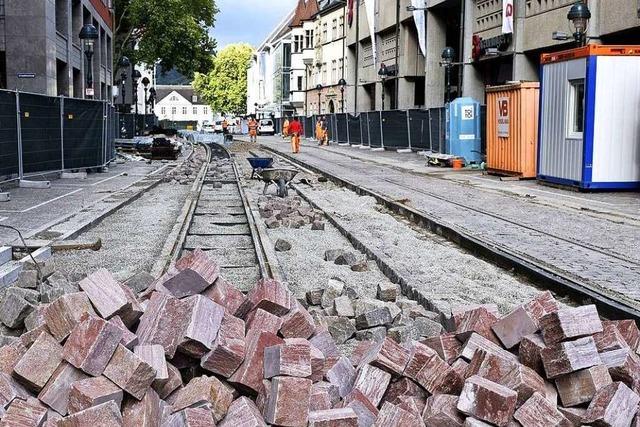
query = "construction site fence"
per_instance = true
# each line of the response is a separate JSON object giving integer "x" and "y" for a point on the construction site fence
{"x": 43, "y": 134}
{"x": 418, "y": 130}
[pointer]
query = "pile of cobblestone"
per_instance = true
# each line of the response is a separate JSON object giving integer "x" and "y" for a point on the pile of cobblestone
{"x": 186, "y": 173}
{"x": 190, "y": 349}
{"x": 289, "y": 212}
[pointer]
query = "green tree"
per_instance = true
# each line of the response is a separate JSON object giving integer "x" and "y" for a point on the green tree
{"x": 225, "y": 87}
{"x": 172, "y": 33}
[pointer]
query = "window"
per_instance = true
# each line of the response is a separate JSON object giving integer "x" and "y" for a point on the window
{"x": 341, "y": 29}
{"x": 174, "y": 98}
{"x": 341, "y": 69}
{"x": 195, "y": 111}
{"x": 324, "y": 73}
{"x": 174, "y": 110}
{"x": 334, "y": 71}
{"x": 299, "y": 82}
{"x": 205, "y": 110}
{"x": 334, "y": 29}
{"x": 184, "y": 111}
{"x": 297, "y": 44}
{"x": 163, "y": 110}
{"x": 575, "y": 125}
{"x": 324, "y": 33}
{"x": 308, "y": 39}
{"x": 194, "y": 99}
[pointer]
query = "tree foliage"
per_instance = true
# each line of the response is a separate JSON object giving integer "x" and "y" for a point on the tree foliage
{"x": 172, "y": 33}
{"x": 225, "y": 87}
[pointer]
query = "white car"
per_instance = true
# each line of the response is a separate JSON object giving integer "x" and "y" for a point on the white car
{"x": 266, "y": 127}
{"x": 218, "y": 126}
{"x": 208, "y": 128}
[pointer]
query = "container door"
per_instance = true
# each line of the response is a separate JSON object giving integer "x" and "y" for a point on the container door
{"x": 562, "y": 121}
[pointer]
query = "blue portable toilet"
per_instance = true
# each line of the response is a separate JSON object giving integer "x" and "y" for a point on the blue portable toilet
{"x": 463, "y": 130}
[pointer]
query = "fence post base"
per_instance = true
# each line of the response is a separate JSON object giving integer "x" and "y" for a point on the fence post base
{"x": 364, "y": 147}
{"x": 34, "y": 184}
{"x": 404, "y": 150}
{"x": 5, "y": 197}
{"x": 73, "y": 175}
{"x": 377, "y": 149}
{"x": 103, "y": 169}
{"x": 356, "y": 145}
{"x": 343, "y": 144}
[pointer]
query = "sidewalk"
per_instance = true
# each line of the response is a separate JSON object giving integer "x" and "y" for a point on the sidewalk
{"x": 593, "y": 239}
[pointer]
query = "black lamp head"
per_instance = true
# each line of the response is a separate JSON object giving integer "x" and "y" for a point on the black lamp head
{"x": 136, "y": 75}
{"x": 448, "y": 55}
{"x": 319, "y": 86}
{"x": 124, "y": 62}
{"x": 579, "y": 14}
{"x": 342, "y": 83}
{"x": 146, "y": 81}
{"x": 89, "y": 32}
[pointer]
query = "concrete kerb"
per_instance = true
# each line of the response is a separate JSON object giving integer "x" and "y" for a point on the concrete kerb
{"x": 73, "y": 175}
{"x": 34, "y": 184}
{"x": 5, "y": 197}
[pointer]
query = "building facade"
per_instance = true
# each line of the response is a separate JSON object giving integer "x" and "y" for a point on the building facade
{"x": 41, "y": 38}
{"x": 181, "y": 104}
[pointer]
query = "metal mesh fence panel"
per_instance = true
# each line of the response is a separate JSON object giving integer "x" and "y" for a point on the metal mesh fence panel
{"x": 341, "y": 128}
{"x": 419, "y": 125}
{"x": 364, "y": 128}
{"x": 8, "y": 134}
{"x": 127, "y": 125}
{"x": 395, "y": 129}
{"x": 483, "y": 129}
{"x": 308, "y": 127}
{"x": 40, "y": 123}
{"x": 83, "y": 130}
{"x": 437, "y": 129}
{"x": 375, "y": 133}
{"x": 355, "y": 136}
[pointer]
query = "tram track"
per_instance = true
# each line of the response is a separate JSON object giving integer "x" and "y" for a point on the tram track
{"x": 611, "y": 303}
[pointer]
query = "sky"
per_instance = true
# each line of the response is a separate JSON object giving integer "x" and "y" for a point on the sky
{"x": 248, "y": 21}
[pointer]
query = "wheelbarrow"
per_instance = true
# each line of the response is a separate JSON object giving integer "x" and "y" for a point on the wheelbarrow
{"x": 259, "y": 163}
{"x": 281, "y": 178}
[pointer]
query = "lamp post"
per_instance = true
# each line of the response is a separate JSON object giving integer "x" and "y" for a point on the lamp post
{"x": 145, "y": 83}
{"x": 135, "y": 76}
{"x": 88, "y": 35}
{"x": 447, "y": 62}
{"x": 124, "y": 65}
{"x": 579, "y": 15}
{"x": 383, "y": 72}
{"x": 319, "y": 89}
{"x": 343, "y": 84}
{"x": 152, "y": 100}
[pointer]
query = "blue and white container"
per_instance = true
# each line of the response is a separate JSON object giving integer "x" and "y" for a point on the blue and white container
{"x": 590, "y": 118}
{"x": 463, "y": 130}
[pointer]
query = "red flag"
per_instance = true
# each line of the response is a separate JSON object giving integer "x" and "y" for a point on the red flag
{"x": 350, "y": 13}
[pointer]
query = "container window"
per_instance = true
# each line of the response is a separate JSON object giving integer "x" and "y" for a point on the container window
{"x": 576, "y": 109}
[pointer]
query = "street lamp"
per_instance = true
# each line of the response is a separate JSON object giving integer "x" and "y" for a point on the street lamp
{"x": 135, "y": 76}
{"x": 448, "y": 54}
{"x": 152, "y": 99}
{"x": 383, "y": 72}
{"x": 88, "y": 35}
{"x": 124, "y": 65}
{"x": 343, "y": 84}
{"x": 319, "y": 89}
{"x": 579, "y": 15}
{"x": 145, "y": 83}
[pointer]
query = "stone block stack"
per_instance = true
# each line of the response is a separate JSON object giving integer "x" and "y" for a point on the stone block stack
{"x": 192, "y": 350}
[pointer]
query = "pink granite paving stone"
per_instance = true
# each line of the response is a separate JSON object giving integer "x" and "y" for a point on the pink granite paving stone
{"x": 446, "y": 345}
{"x": 271, "y": 296}
{"x": 511, "y": 328}
{"x": 403, "y": 387}
{"x": 629, "y": 331}
{"x": 288, "y": 403}
{"x": 392, "y": 415}
{"x": 525, "y": 381}
{"x": 56, "y": 392}
{"x": 105, "y": 293}
{"x": 614, "y": 405}
{"x": 165, "y": 388}
{"x": 153, "y": 355}
{"x": 623, "y": 365}
{"x": 205, "y": 318}
{"x": 487, "y": 401}
{"x": 39, "y": 363}
{"x": 142, "y": 413}
{"x": 205, "y": 391}
{"x": 325, "y": 343}
{"x": 343, "y": 375}
{"x": 288, "y": 359}
{"x": 104, "y": 415}
{"x": 362, "y": 348}
{"x": 372, "y": 382}
{"x": 298, "y": 323}
{"x": 537, "y": 411}
{"x": 388, "y": 355}
{"x": 610, "y": 338}
{"x": 191, "y": 417}
{"x": 529, "y": 352}
{"x": 243, "y": 412}
{"x": 318, "y": 360}
{"x": 570, "y": 356}
{"x": 228, "y": 296}
{"x": 260, "y": 320}
{"x": 92, "y": 391}
{"x": 228, "y": 350}
{"x": 431, "y": 372}
{"x": 323, "y": 396}
{"x": 129, "y": 339}
{"x": 477, "y": 341}
{"x": 91, "y": 344}
{"x": 130, "y": 372}
{"x": 458, "y": 312}
{"x": 339, "y": 417}
{"x": 366, "y": 412}
{"x": 24, "y": 413}
{"x": 441, "y": 410}
{"x": 570, "y": 323}
{"x": 164, "y": 323}
{"x": 478, "y": 320}
{"x": 62, "y": 315}
{"x": 10, "y": 390}
{"x": 10, "y": 355}
{"x": 580, "y": 387}
{"x": 251, "y": 372}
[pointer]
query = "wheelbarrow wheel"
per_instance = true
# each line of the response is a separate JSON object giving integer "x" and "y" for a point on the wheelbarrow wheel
{"x": 282, "y": 188}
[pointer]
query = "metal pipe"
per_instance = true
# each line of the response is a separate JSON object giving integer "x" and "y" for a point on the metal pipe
{"x": 62, "y": 131}
{"x": 461, "y": 47}
{"x": 19, "y": 134}
{"x": 397, "y": 76}
{"x": 357, "y": 64}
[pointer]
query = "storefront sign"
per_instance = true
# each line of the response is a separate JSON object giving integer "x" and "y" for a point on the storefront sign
{"x": 503, "y": 117}
{"x": 507, "y": 16}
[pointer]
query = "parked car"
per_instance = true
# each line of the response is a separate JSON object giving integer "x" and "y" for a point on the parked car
{"x": 266, "y": 127}
{"x": 208, "y": 128}
{"x": 218, "y": 126}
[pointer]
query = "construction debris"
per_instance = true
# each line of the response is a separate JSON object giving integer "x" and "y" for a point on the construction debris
{"x": 190, "y": 349}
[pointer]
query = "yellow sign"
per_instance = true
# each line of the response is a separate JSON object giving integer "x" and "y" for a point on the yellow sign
{"x": 26, "y": 114}
{"x": 70, "y": 116}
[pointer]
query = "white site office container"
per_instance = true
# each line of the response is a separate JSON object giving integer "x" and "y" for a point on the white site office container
{"x": 590, "y": 118}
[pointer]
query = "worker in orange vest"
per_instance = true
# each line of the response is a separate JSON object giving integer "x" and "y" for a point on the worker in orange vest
{"x": 296, "y": 131}
{"x": 285, "y": 128}
{"x": 253, "y": 129}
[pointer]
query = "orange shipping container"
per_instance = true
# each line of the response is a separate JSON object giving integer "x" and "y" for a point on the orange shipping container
{"x": 512, "y": 129}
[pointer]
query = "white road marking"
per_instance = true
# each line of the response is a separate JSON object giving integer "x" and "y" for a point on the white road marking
{"x": 3, "y": 218}
{"x": 52, "y": 200}
{"x": 107, "y": 179}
